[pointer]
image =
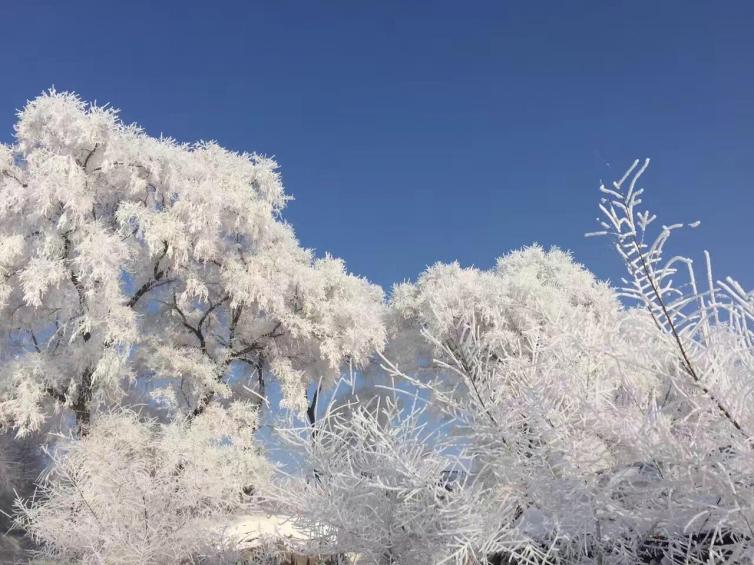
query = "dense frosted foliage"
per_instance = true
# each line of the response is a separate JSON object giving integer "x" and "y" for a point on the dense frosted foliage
{"x": 137, "y": 271}
{"x": 577, "y": 430}
{"x": 381, "y": 488}
{"x": 519, "y": 364}
{"x": 138, "y": 492}
{"x": 128, "y": 258}
{"x": 529, "y": 413}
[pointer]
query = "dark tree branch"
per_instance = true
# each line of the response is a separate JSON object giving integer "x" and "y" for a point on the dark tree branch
{"x": 184, "y": 320}
{"x": 156, "y": 281}
{"x": 145, "y": 288}
{"x": 257, "y": 345}
{"x": 15, "y": 178}
{"x": 311, "y": 411}
{"x": 35, "y": 342}
{"x": 59, "y": 396}
{"x": 89, "y": 156}
{"x": 74, "y": 278}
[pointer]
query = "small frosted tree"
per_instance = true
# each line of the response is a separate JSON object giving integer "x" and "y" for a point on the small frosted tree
{"x": 133, "y": 265}
{"x": 521, "y": 361}
{"x": 135, "y": 491}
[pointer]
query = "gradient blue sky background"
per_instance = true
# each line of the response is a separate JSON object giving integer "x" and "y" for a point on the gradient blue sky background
{"x": 412, "y": 132}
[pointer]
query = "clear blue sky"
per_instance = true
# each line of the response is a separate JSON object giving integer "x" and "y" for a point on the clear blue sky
{"x": 411, "y": 132}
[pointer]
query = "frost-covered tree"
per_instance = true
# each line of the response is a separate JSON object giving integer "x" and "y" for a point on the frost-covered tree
{"x": 141, "y": 275}
{"x": 606, "y": 434}
{"x": 517, "y": 370}
{"x": 131, "y": 265}
{"x": 135, "y": 491}
{"x": 698, "y": 497}
{"x": 521, "y": 360}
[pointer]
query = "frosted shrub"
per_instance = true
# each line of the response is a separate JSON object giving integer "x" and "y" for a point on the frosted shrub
{"x": 135, "y": 491}
{"x": 524, "y": 370}
{"x": 380, "y": 486}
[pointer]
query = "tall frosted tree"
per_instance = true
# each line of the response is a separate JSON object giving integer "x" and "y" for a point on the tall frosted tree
{"x": 132, "y": 265}
{"x": 149, "y": 290}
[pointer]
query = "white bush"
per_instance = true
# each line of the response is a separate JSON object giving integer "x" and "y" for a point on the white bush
{"x": 135, "y": 491}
